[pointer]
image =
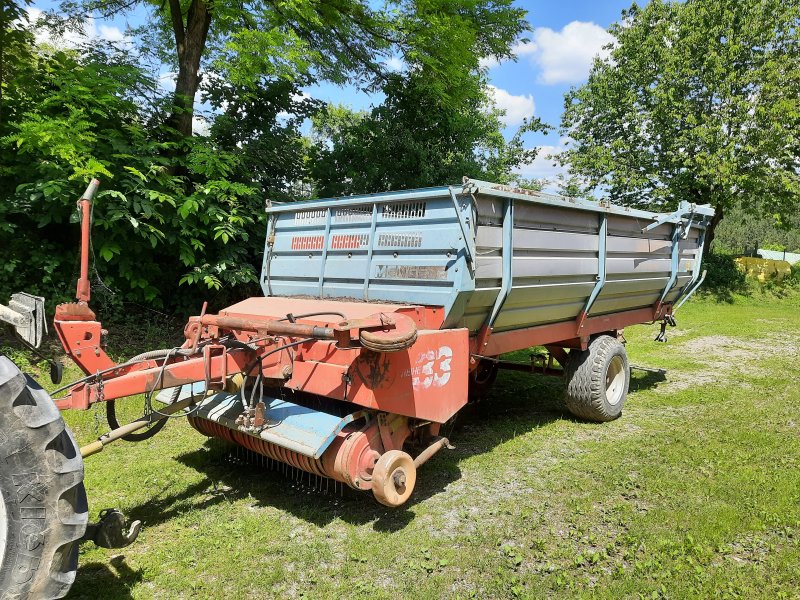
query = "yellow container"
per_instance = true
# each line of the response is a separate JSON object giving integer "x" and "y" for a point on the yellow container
{"x": 763, "y": 269}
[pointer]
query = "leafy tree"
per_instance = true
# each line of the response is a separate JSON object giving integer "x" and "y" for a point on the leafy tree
{"x": 260, "y": 125}
{"x": 414, "y": 139}
{"x": 337, "y": 40}
{"x": 747, "y": 229}
{"x": 81, "y": 114}
{"x": 699, "y": 101}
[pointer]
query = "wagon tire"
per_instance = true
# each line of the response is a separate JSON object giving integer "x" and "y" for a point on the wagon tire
{"x": 43, "y": 510}
{"x": 481, "y": 380}
{"x": 598, "y": 380}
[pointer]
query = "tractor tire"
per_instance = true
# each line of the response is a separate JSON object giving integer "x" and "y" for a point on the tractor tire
{"x": 43, "y": 510}
{"x": 598, "y": 380}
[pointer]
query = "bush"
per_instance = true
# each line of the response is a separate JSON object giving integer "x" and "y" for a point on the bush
{"x": 723, "y": 278}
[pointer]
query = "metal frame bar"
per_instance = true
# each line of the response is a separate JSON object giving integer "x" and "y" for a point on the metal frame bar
{"x": 415, "y": 195}
{"x": 373, "y": 226}
{"x": 326, "y": 235}
{"x": 508, "y": 264}
{"x": 466, "y": 234}
{"x": 602, "y": 254}
{"x": 493, "y": 189}
{"x": 675, "y": 263}
{"x": 688, "y": 294}
{"x": 697, "y": 264}
{"x": 562, "y": 334}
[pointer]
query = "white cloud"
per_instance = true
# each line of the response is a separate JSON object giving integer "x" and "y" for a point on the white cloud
{"x": 488, "y": 62}
{"x": 517, "y": 108}
{"x": 72, "y": 39}
{"x": 566, "y": 56}
{"x": 395, "y": 63}
{"x": 544, "y": 166}
{"x": 200, "y": 125}
{"x": 166, "y": 80}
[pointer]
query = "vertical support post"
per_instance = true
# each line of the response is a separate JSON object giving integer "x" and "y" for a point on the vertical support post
{"x": 676, "y": 255}
{"x": 324, "y": 250}
{"x": 508, "y": 264}
{"x": 83, "y": 289}
{"x": 602, "y": 255}
{"x": 371, "y": 246}
{"x": 698, "y": 262}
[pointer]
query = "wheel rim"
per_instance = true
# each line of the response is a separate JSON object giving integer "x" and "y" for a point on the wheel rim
{"x": 3, "y": 528}
{"x": 615, "y": 380}
{"x": 394, "y": 478}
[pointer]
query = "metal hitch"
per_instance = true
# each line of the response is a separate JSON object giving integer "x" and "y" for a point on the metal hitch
{"x": 110, "y": 530}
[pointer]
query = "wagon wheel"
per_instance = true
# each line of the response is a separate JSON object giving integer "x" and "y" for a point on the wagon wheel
{"x": 393, "y": 478}
{"x": 598, "y": 380}
{"x": 145, "y": 434}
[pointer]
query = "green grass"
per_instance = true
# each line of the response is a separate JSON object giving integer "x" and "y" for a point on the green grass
{"x": 694, "y": 492}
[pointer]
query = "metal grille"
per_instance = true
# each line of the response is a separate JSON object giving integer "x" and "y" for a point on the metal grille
{"x": 349, "y": 241}
{"x": 353, "y": 214}
{"x": 401, "y": 240}
{"x": 309, "y": 217}
{"x": 404, "y": 210}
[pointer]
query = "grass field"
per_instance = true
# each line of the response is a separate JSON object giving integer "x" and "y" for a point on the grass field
{"x": 694, "y": 492}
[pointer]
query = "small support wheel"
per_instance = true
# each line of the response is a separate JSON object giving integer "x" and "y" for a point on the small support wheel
{"x": 393, "y": 478}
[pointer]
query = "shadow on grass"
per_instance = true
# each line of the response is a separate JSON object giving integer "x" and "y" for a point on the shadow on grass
{"x": 644, "y": 380}
{"x": 103, "y": 580}
{"x": 517, "y": 405}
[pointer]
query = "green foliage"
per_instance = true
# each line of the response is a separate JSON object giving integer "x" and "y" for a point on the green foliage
{"x": 723, "y": 277}
{"x": 260, "y": 124}
{"x": 79, "y": 115}
{"x": 699, "y": 101}
{"x": 414, "y": 139}
{"x": 745, "y": 229}
{"x": 177, "y": 211}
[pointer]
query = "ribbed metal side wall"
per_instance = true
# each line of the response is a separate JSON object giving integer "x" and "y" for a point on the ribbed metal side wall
{"x": 413, "y": 247}
{"x": 407, "y": 248}
{"x": 259, "y": 446}
{"x": 555, "y": 264}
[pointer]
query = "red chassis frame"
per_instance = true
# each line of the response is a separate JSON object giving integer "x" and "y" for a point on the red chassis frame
{"x": 392, "y": 382}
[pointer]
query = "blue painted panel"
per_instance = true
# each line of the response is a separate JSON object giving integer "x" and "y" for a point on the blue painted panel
{"x": 288, "y": 425}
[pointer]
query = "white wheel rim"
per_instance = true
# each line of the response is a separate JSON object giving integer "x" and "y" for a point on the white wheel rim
{"x": 3, "y": 528}
{"x": 615, "y": 380}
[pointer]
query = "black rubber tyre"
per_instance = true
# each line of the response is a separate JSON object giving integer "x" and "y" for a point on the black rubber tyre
{"x": 597, "y": 380}
{"x": 43, "y": 511}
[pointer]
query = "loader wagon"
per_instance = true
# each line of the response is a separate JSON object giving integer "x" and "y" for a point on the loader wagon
{"x": 382, "y": 316}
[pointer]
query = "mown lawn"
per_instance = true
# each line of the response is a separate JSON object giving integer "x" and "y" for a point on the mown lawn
{"x": 695, "y": 492}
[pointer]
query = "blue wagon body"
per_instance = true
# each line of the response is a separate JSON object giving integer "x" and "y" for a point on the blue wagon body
{"x": 488, "y": 254}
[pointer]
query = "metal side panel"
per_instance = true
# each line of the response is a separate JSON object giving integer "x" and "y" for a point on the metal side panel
{"x": 398, "y": 247}
{"x": 288, "y": 425}
{"x": 555, "y": 259}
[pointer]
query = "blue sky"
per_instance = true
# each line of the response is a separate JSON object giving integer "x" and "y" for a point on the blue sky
{"x": 565, "y": 37}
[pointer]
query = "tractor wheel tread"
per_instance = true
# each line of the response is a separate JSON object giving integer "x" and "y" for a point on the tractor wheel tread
{"x": 42, "y": 486}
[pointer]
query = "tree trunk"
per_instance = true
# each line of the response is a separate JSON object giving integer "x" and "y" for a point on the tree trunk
{"x": 190, "y": 40}
{"x": 711, "y": 230}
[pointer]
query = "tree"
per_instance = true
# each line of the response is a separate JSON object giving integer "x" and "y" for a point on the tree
{"x": 698, "y": 101}
{"x": 78, "y": 114}
{"x": 414, "y": 139}
{"x": 337, "y": 40}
